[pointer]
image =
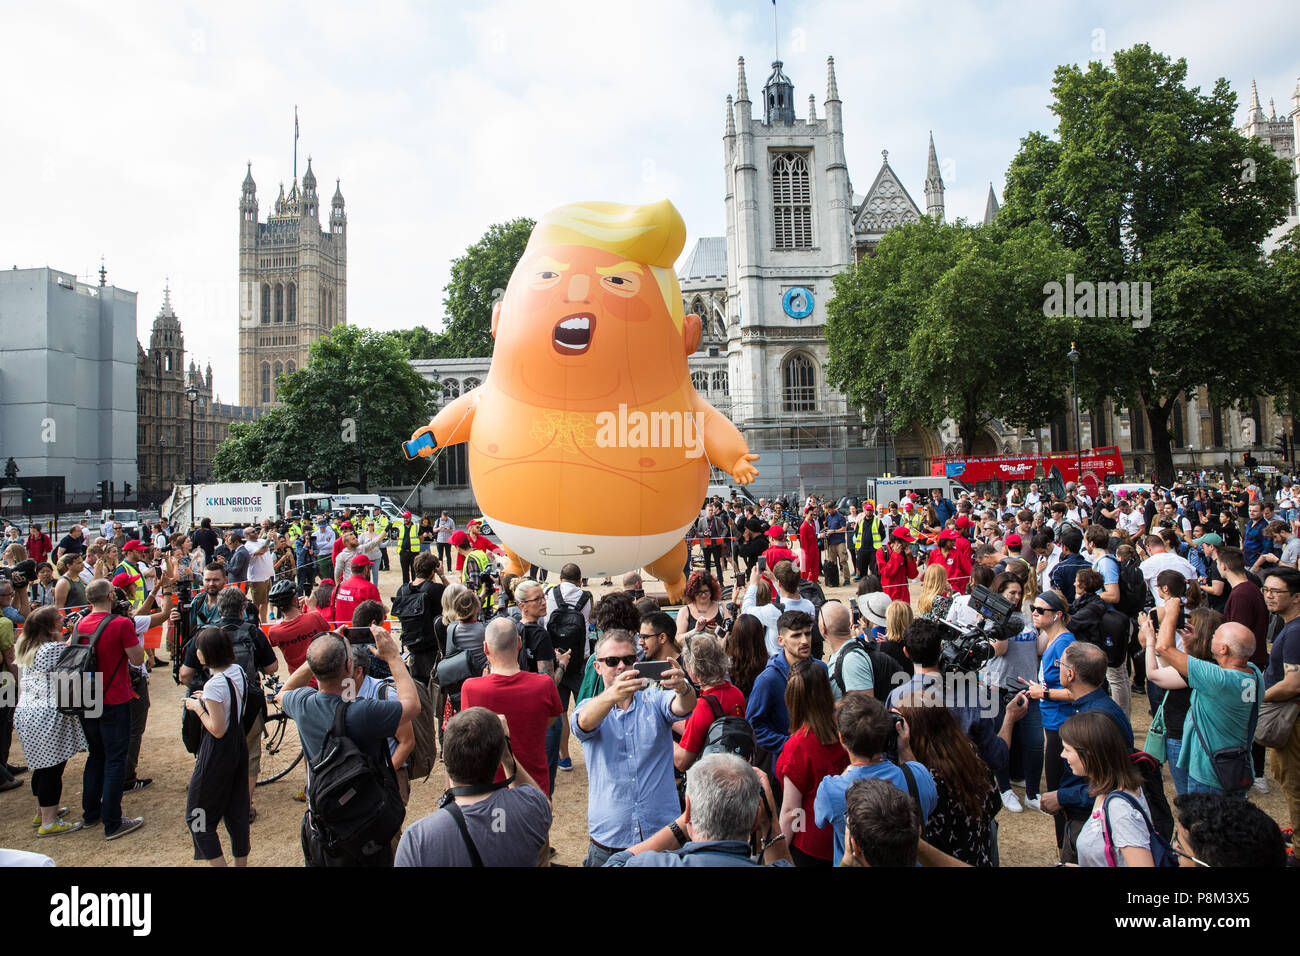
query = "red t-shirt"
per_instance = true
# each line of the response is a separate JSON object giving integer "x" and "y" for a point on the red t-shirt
{"x": 697, "y": 725}
{"x": 805, "y": 761}
{"x": 294, "y": 637}
{"x": 528, "y": 702}
{"x": 777, "y": 553}
{"x": 351, "y": 593}
{"x": 110, "y": 654}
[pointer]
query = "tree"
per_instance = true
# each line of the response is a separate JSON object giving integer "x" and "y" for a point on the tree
{"x": 1150, "y": 183}
{"x": 477, "y": 280}
{"x": 949, "y": 319}
{"x": 419, "y": 342}
{"x": 345, "y": 412}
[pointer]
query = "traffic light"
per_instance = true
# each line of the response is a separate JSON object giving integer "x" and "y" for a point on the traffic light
{"x": 103, "y": 493}
{"x": 126, "y": 489}
{"x": 1281, "y": 448}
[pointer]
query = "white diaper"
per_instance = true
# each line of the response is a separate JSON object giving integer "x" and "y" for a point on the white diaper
{"x": 598, "y": 555}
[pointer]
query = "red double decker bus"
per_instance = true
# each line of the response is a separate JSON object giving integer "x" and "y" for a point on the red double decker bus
{"x": 1054, "y": 470}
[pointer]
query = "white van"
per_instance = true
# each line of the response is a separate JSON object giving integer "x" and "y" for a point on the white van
{"x": 884, "y": 490}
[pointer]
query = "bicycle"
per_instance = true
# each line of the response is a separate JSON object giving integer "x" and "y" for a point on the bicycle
{"x": 281, "y": 748}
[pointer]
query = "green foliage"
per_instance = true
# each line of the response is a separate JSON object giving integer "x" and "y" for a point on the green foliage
{"x": 477, "y": 279}
{"x": 1150, "y": 182}
{"x": 350, "y": 407}
{"x": 419, "y": 342}
{"x": 949, "y": 318}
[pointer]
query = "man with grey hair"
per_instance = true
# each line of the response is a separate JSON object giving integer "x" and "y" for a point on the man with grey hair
{"x": 529, "y": 702}
{"x": 627, "y": 740}
{"x": 726, "y": 802}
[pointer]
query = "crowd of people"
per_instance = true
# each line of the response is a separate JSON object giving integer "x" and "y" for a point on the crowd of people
{"x": 758, "y": 724}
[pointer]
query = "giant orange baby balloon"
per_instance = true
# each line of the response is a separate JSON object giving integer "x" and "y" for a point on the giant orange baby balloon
{"x": 587, "y": 442}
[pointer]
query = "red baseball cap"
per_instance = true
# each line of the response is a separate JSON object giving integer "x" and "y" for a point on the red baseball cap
{"x": 869, "y": 506}
{"x": 122, "y": 580}
{"x": 963, "y": 521}
{"x": 361, "y": 561}
{"x": 458, "y": 538}
{"x": 406, "y": 514}
{"x": 1013, "y": 540}
{"x": 947, "y": 534}
{"x": 134, "y": 546}
{"x": 907, "y": 505}
{"x": 775, "y": 531}
{"x": 346, "y": 524}
{"x": 902, "y": 534}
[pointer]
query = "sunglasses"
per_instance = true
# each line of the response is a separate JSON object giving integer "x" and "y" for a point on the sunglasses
{"x": 628, "y": 659}
{"x": 1043, "y": 610}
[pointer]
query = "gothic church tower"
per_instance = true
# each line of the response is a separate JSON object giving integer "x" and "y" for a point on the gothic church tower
{"x": 292, "y": 282}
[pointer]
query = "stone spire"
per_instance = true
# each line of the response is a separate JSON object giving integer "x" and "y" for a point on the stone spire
{"x": 1272, "y": 109}
{"x": 731, "y": 118}
{"x": 933, "y": 185}
{"x": 1256, "y": 113}
{"x": 990, "y": 207}
{"x": 742, "y": 88}
{"x": 812, "y": 108}
{"x": 832, "y": 90}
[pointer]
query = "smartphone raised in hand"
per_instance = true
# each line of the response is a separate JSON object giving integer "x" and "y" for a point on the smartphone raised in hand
{"x": 653, "y": 670}
{"x": 360, "y": 635}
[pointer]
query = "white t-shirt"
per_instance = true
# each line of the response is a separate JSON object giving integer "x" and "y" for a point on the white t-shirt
{"x": 1127, "y": 828}
{"x": 1165, "y": 561}
{"x": 260, "y": 562}
{"x": 216, "y": 689}
{"x": 1131, "y": 523}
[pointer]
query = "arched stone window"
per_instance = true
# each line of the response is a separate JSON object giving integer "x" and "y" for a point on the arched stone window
{"x": 266, "y": 304}
{"x": 450, "y": 388}
{"x": 700, "y": 380}
{"x": 279, "y": 303}
{"x": 719, "y": 383}
{"x": 471, "y": 383}
{"x": 799, "y": 384}
{"x": 293, "y": 303}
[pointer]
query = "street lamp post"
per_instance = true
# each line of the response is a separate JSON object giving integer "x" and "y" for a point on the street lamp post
{"x": 1074, "y": 356}
{"x": 192, "y": 396}
{"x": 884, "y": 422}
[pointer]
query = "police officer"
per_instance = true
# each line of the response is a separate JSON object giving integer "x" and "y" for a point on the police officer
{"x": 868, "y": 537}
{"x": 408, "y": 545}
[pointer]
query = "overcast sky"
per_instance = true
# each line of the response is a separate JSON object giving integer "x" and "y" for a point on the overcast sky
{"x": 127, "y": 126}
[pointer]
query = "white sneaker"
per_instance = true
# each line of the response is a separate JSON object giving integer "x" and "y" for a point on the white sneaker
{"x": 1260, "y": 785}
{"x": 1034, "y": 803}
{"x": 1010, "y": 801}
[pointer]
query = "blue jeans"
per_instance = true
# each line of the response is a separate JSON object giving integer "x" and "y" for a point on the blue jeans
{"x": 1026, "y": 747}
{"x": 108, "y": 738}
{"x": 1172, "y": 749}
{"x": 596, "y": 856}
{"x": 1195, "y": 786}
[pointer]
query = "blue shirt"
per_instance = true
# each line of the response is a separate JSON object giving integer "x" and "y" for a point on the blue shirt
{"x": 1253, "y": 542}
{"x": 943, "y": 509}
{"x": 1108, "y": 567}
{"x": 706, "y": 853}
{"x": 829, "y": 804}
{"x": 1055, "y": 712}
{"x": 631, "y": 793}
{"x": 765, "y": 710}
{"x": 1072, "y": 791}
{"x": 835, "y": 524}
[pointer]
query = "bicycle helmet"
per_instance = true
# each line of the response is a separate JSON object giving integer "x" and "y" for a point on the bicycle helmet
{"x": 283, "y": 593}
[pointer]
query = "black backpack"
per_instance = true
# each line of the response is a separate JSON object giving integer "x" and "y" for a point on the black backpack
{"x": 566, "y": 625}
{"x": 1132, "y": 588}
{"x": 1162, "y": 854}
{"x": 812, "y": 591}
{"x": 354, "y": 807}
{"x": 425, "y": 728}
{"x": 412, "y": 606}
{"x": 74, "y": 673}
{"x": 728, "y": 734}
{"x": 1153, "y": 788}
{"x": 883, "y": 669}
{"x": 241, "y": 636}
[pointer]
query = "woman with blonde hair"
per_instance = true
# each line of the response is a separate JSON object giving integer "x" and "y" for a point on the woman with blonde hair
{"x": 897, "y": 617}
{"x": 936, "y": 593}
{"x": 49, "y": 738}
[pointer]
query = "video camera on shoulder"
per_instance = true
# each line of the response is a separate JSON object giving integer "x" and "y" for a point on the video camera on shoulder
{"x": 970, "y": 648}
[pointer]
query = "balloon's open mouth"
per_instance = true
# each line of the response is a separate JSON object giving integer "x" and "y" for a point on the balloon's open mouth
{"x": 573, "y": 333}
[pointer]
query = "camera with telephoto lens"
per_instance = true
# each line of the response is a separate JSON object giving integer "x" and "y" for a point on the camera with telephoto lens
{"x": 970, "y": 648}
